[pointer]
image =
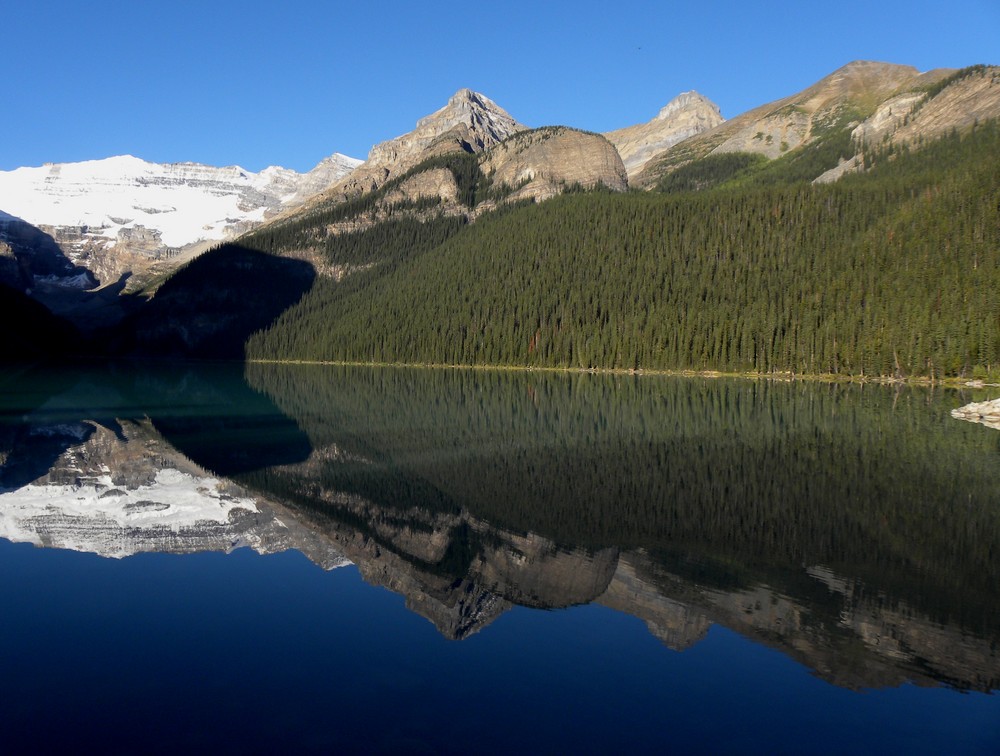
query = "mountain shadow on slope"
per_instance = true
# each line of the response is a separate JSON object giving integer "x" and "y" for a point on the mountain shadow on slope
{"x": 210, "y": 308}
{"x": 32, "y": 331}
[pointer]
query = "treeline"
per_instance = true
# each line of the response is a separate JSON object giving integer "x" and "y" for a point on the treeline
{"x": 832, "y": 144}
{"x": 711, "y": 171}
{"x": 310, "y": 230}
{"x": 894, "y": 272}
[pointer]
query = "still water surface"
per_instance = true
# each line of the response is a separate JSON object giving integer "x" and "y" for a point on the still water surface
{"x": 360, "y": 560}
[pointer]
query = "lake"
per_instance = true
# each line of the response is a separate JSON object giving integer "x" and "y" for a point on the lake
{"x": 320, "y": 559}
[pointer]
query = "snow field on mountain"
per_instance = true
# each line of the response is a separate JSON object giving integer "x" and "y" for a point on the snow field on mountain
{"x": 184, "y": 202}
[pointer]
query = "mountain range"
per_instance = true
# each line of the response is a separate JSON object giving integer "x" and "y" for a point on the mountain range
{"x": 123, "y": 215}
{"x": 76, "y": 236}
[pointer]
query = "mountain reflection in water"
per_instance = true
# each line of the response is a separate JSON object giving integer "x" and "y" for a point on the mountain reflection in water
{"x": 854, "y": 529}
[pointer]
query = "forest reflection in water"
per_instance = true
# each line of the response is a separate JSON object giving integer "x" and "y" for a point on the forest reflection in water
{"x": 854, "y": 528}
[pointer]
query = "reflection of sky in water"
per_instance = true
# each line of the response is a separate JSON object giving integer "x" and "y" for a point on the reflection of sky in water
{"x": 267, "y": 653}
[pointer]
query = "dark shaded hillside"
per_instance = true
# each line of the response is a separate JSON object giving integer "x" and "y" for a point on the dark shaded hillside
{"x": 31, "y": 331}
{"x": 210, "y": 307}
{"x": 893, "y": 272}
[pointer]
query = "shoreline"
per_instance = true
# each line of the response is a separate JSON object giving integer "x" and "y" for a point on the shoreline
{"x": 783, "y": 377}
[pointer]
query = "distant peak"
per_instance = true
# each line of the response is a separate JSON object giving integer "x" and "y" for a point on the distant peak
{"x": 685, "y": 101}
{"x": 115, "y": 160}
{"x": 867, "y": 64}
{"x": 341, "y": 159}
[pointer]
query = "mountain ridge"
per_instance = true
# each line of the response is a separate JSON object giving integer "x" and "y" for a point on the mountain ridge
{"x": 146, "y": 226}
{"x": 851, "y": 93}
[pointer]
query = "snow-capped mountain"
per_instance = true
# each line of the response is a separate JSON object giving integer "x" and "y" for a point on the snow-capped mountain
{"x": 119, "y": 214}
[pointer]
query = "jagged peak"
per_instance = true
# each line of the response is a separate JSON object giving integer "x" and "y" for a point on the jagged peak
{"x": 465, "y": 104}
{"x": 685, "y": 101}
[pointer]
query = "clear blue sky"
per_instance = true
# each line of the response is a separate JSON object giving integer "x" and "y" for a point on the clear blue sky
{"x": 287, "y": 83}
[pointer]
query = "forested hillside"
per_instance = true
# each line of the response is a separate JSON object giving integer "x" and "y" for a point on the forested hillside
{"x": 892, "y": 272}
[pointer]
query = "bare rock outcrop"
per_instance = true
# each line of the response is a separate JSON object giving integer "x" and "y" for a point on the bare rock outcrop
{"x": 970, "y": 98}
{"x": 541, "y": 163}
{"x": 861, "y": 84}
{"x": 435, "y": 183}
{"x": 685, "y": 116}
{"x": 921, "y": 115}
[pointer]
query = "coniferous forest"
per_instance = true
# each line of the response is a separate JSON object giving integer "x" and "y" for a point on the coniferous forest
{"x": 893, "y": 272}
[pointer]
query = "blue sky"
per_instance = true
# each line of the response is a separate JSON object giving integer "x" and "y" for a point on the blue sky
{"x": 288, "y": 83}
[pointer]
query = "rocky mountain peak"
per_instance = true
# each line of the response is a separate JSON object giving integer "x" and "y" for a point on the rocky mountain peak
{"x": 469, "y": 122}
{"x": 687, "y": 115}
{"x": 541, "y": 163}
{"x": 863, "y": 83}
{"x": 472, "y": 109}
{"x": 685, "y": 101}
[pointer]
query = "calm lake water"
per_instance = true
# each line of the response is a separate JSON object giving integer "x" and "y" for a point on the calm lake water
{"x": 358, "y": 560}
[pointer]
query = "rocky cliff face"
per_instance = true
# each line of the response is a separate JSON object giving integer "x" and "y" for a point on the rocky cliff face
{"x": 687, "y": 115}
{"x": 542, "y": 163}
{"x": 861, "y": 86}
{"x": 125, "y": 215}
{"x": 970, "y": 98}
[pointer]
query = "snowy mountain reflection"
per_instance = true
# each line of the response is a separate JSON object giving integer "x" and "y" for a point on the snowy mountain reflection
{"x": 851, "y": 529}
